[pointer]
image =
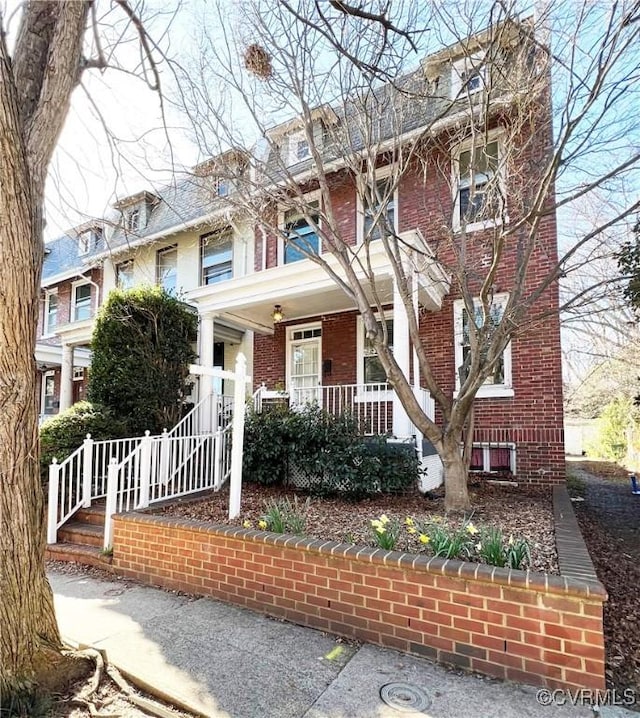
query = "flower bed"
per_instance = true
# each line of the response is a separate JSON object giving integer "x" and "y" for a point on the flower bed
{"x": 519, "y": 513}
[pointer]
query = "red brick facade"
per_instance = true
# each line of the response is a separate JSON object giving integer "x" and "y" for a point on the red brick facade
{"x": 526, "y": 627}
{"x": 533, "y": 417}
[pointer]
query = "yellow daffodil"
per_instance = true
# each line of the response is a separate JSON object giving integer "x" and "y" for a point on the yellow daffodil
{"x": 246, "y": 523}
{"x": 262, "y": 524}
{"x": 376, "y": 523}
{"x": 472, "y": 529}
{"x": 436, "y": 519}
{"x": 384, "y": 519}
{"x": 424, "y": 538}
{"x": 511, "y": 540}
{"x": 409, "y": 521}
{"x": 411, "y": 530}
{"x": 380, "y": 529}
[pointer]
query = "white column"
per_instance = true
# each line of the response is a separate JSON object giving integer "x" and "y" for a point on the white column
{"x": 206, "y": 380}
{"x": 401, "y": 425}
{"x": 66, "y": 377}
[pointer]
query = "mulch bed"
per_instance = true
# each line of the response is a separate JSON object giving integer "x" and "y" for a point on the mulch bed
{"x": 523, "y": 512}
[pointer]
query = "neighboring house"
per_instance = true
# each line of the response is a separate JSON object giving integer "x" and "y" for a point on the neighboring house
{"x": 257, "y": 293}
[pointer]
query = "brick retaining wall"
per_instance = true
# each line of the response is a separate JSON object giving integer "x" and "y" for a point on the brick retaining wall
{"x": 527, "y": 627}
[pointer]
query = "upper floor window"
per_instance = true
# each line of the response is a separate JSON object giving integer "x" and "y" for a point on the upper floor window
{"x": 167, "y": 269}
{"x": 468, "y": 75}
{"x": 216, "y": 257}
{"x": 89, "y": 240}
{"x": 499, "y": 382}
{"x": 221, "y": 187}
{"x": 124, "y": 274}
{"x": 132, "y": 220}
{"x": 301, "y": 238}
{"x": 478, "y": 186}
{"x": 81, "y": 302}
{"x": 378, "y": 211}
{"x": 50, "y": 312}
{"x": 299, "y": 149}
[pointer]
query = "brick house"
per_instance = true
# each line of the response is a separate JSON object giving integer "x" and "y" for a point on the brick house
{"x": 257, "y": 292}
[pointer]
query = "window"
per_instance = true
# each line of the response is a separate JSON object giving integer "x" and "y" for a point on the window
{"x": 124, "y": 274}
{"x": 167, "y": 269}
{"x": 299, "y": 149}
{"x": 468, "y": 76}
{"x": 301, "y": 238}
{"x": 498, "y": 383}
{"x": 493, "y": 457}
{"x": 49, "y": 403}
{"x": 50, "y": 312}
{"x": 372, "y": 214}
{"x": 221, "y": 187}
{"x": 132, "y": 220}
{"x": 372, "y": 370}
{"x": 81, "y": 302}
{"x": 78, "y": 373}
{"x": 478, "y": 194}
{"x": 84, "y": 243}
{"x": 216, "y": 257}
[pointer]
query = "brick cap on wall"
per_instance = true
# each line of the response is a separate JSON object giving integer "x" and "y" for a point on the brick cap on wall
{"x": 563, "y": 585}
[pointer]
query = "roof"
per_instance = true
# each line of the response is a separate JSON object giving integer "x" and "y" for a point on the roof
{"x": 61, "y": 257}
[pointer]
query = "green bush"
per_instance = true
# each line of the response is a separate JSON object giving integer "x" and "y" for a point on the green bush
{"x": 327, "y": 454}
{"x": 61, "y": 435}
{"x": 611, "y": 439}
{"x": 142, "y": 347}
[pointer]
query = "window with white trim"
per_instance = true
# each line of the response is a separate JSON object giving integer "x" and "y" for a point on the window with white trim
{"x": 370, "y": 370}
{"x": 50, "y": 312}
{"x": 468, "y": 75}
{"x": 499, "y": 382}
{"x": 167, "y": 269}
{"x": 49, "y": 392}
{"x": 81, "y": 302}
{"x": 379, "y": 211}
{"x": 478, "y": 185}
{"x": 299, "y": 149}
{"x": 132, "y": 220}
{"x": 124, "y": 274}
{"x": 216, "y": 257}
{"x": 493, "y": 457}
{"x": 300, "y": 236}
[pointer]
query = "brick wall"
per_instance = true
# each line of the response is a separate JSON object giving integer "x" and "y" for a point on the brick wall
{"x": 532, "y": 628}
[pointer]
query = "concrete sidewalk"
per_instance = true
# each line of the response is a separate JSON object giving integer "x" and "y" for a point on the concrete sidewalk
{"x": 226, "y": 662}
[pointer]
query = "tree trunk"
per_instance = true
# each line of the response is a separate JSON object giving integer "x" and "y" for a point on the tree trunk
{"x": 455, "y": 475}
{"x": 35, "y": 87}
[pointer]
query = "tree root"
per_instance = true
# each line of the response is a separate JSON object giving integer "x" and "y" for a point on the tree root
{"x": 102, "y": 666}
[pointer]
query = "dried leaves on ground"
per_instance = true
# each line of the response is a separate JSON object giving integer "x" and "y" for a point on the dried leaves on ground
{"x": 609, "y": 518}
{"x": 521, "y": 512}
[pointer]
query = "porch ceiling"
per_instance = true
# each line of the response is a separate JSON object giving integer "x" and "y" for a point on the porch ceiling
{"x": 76, "y": 333}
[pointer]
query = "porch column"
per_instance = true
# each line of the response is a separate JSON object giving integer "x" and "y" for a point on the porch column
{"x": 402, "y": 426}
{"x": 66, "y": 377}
{"x": 207, "y": 421}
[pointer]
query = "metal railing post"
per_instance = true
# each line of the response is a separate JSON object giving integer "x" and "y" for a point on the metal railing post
{"x": 87, "y": 471}
{"x": 145, "y": 470}
{"x": 52, "y": 510}
{"x": 112, "y": 502}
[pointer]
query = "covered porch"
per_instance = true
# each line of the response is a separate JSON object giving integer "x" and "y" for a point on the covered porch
{"x": 309, "y": 340}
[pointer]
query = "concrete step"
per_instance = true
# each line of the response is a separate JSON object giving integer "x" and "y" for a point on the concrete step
{"x": 76, "y": 532}
{"x": 78, "y": 553}
{"x": 92, "y": 515}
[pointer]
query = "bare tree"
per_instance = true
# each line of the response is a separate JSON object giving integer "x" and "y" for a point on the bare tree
{"x": 37, "y": 79}
{"x": 495, "y": 147}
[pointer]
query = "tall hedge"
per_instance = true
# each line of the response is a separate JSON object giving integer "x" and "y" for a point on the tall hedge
{"x": 142, "y": 346}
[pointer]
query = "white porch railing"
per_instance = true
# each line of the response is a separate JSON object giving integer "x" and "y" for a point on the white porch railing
{"x": 370, "y": 404}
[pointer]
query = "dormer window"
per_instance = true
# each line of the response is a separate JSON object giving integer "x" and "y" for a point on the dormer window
{"x": 132, "y": 220}
{"x": 299, "y": 149}
{"x": 468, "y": 75}
{"x": 84, "y": 243}
{"x": 88, "y": 239}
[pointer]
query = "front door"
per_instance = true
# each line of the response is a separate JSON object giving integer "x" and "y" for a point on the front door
{"x": 304, "y": 365}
